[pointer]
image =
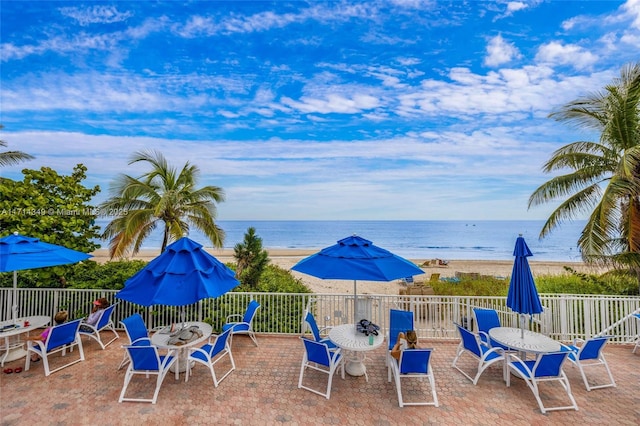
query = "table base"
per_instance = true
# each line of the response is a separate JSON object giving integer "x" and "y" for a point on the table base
{"x": 355, "y": 365}
{"x": 13, "y": 354}
{"x": 180, "y": 366}
{"x": 355, "y": 368}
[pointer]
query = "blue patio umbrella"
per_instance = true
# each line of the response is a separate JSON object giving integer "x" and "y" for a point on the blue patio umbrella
{"x": 523, "y": 296}
{"x": 18, "y": 252}
{"x": 355, "y": 258}
{"x": 182, "y": 275}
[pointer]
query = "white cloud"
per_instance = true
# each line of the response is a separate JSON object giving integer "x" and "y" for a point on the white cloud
{"x": 632, "y": 10}
{"x": 500, "y": 52}
{"x": 95, "y": 14}
{"x": 332, "y": 103}
{"x": 557, "y": 53}
{"x": 514, "y": 6}
{"x": 81, "y": 42}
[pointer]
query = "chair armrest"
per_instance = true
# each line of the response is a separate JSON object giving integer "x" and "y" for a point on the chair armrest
{"x": 38, "y": 343}
{"x": 323, "y": 329}
{"x": 568, "y": 348}
{"x": 141, "y": 339}
{"x": 484, "y": 337}
{"x": 233, "y": 316}
{"x": 203, "y": 352}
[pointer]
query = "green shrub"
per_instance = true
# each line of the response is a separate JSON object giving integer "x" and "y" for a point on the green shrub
{"x": 610, "y": 283}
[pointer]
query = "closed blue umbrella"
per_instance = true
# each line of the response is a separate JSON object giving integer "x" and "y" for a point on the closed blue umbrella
{"x": 182, "y": 275}
{"x": 355, "y": 258}
{"x": 523, "y": 296}
{"x": 18, "y": 252}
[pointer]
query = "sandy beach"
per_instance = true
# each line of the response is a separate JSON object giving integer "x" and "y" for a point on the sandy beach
{"x": 286, "y": 258}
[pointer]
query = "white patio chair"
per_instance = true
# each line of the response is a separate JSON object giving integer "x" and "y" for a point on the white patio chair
{"x": 414, "y": 364}
{"x": 137, "y": 333}
{"x": 547, "y": 367}
{"x": 399, "y": 322}
{"x": 61, "y": 337}
{"x": 146, "y": 361}
{"x": 588, "y": 354}
{"x": 318, "y": 357}
{"x": 245, "y": 323}
{"x": 486, "y": 319}
{"x": 212, "y": 353}
{"x": 310, "y": 322}
{"x": 105, "y": 323}
{"x": 485, "y": 355}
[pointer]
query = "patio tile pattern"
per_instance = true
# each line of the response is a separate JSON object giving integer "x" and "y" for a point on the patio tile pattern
{"x": 263, "y": 391}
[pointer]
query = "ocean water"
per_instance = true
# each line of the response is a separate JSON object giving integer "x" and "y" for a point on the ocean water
{"x": 462, "y": 240}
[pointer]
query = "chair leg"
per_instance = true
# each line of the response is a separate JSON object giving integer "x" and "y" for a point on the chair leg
{"x": 253, "y": 337}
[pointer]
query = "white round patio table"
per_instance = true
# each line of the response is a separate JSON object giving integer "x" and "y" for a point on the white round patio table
{"x": 14, "y": 348}
{"x": 529, "y": 341}
{"x": 161, "y": 340}
{"x": 346, "y": 336}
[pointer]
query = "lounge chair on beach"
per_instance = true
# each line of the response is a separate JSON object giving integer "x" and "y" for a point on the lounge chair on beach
{"x": 407, "y": 281}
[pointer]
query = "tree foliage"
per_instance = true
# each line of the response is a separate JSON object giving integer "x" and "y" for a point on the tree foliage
{"x": 600, "y": 178}
{"x": 12, "y": 157}
{"x": 163, "y": 196}
{"x": 52, "y": 207}
{"x": 251, "y": 259}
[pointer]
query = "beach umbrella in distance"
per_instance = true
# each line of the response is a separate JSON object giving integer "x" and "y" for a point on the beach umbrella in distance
{"x": 18, "y": 252}
{"x": 355, "y": 258}
{"x": 182, "y": 275}
{"x": 523, "y": 296}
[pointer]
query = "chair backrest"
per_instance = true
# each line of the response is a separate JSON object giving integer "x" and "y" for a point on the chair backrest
{"x": 144, "y": 358}
{"x": 251, "y": 311}
{"x": 469, "y": 341}
{"x": 486, "y": 319}
{"x": 549, "y": 364}
{"x": 105, "y": 317}
{"x": 317, "y": 352}
{"x": 591, "y": 348}
{"x": 62, "y": 334}
{"x": 414, "y": 361}
{"x": 311, "y": 321}
{"x": 220, "y": 343}
{"x": 399, "y": 321}
{"x": 135, "y": 327}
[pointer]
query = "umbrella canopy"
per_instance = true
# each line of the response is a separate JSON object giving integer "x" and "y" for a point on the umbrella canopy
{"x": 18, "y": 252}
{"x": 523, "y": 296}
{"x": 355, "y": 258}
{"x": 182, "y": 275}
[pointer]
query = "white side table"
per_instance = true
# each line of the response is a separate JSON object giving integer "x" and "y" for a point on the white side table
{"x": 14, "y": 348}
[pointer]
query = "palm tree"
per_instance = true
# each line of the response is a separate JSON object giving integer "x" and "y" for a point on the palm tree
{"x": 8, "y": 158}
{"x": 251, "y": 258}
{"x": 163, "y": 196}
{"x": 603, "y": 177}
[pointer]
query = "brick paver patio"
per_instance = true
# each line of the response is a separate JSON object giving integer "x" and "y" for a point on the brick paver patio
{"x": 263, "y": 391}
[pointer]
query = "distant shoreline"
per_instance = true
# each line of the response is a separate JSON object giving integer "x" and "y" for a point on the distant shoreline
{"x": 286, "y": 258}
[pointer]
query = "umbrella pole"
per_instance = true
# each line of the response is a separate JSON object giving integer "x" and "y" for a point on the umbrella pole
{"x": 14, "y": 298}
{"x": 521, "y": 326}
{"x": 355, "y": 305}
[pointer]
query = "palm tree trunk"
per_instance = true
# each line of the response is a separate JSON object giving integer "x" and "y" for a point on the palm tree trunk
{"x": 165, "y": 239}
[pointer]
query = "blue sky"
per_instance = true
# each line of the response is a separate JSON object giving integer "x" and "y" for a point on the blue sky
{"x": 391, "y": 110}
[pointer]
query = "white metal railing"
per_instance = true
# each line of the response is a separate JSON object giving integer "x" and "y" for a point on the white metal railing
{"x": 566, "y": 316}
